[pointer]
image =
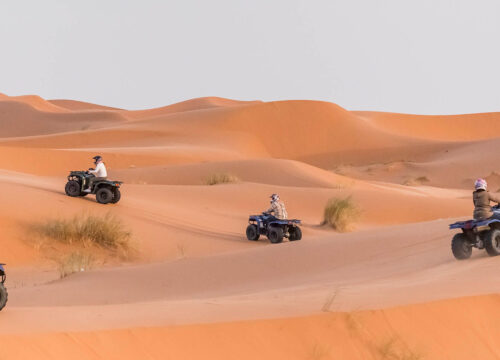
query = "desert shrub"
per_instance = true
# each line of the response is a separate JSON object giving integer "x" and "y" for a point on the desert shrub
{"x": 88, "y": 230}
{"x": 75, "y": 262}
{"x": 416, "y": 181}
{"x": 392, "y": 349}
{"x": 340, "y": 213}
{"x": 221, "y": 178}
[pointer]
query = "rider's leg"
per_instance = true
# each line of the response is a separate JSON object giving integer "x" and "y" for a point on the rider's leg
{"x": 92, "y": 180}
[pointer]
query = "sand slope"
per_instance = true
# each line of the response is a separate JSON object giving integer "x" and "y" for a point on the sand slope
{"x": 440, "y": 127}
{"x": 412, "y": 332}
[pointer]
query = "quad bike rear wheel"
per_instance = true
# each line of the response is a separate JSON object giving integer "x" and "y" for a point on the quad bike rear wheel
{"x": 72, "y": 188}
{"x": 492, "y": 242}
{"x": 253, "y": 232}
{"x": 275, "y": 234}
{"x": 461, "y": 247}
{"x": 104, "y": 196}
{"x": 3, "y": 296}
{"x": 117, "y": 195}
{"x": 295, "y": 233}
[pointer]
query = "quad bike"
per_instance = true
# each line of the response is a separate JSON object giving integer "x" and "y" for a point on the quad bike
{"x": 3, "y": 291}
{"x": 106, "y": 191}
{"x": 481, "y": 234}
{"x": 275, "y": 229}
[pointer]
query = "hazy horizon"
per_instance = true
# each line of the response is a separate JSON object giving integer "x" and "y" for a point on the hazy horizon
{"x": 427, "y": 57}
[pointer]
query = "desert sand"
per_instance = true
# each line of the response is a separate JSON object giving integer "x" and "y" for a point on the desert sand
{"x": 197, "y": 289}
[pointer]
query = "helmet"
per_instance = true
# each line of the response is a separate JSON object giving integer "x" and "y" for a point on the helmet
{"x": 275, "y": 197}
{"x": 480, "y": 184}
{"x": 97, "y": 158}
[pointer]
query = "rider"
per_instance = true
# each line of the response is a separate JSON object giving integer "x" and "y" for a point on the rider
{"x": 100, "y": 172}
{"x": 481, "y": 198}
{"x": 277, "y": 207}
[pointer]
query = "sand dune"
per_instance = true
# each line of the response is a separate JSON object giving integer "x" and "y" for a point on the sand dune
{"x": 35, "y": 102}
{"x": 411, "y": 265}
{"x": 266, "y": 171}
{"x": 79, "y": 105}
{"x": 287, "y": 128}
{"x": 439, "y": 127}
{"x": 188, "y": 105}
{"x": 20, "y": 119}
{"x": 195, "y": 276}
{"x": 403, "y": 331}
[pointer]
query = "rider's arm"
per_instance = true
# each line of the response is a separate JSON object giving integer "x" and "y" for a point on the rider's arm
{"x": 272, "y": 209}
{"x": 494, "y": 198}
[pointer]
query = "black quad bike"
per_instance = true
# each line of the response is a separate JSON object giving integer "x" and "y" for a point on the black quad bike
{"x": 105, "y": 191}
{"x": 275, "y": 229}
{"x": 3, "y": 291}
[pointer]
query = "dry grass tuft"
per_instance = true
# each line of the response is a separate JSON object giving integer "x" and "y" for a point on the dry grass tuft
{"x": 221, "y": 178}
{"x": 319, "y": 352}
{"x": 417, "y": 181}
{"x": 392, "y": 350}
{"x": 340, "y": 213}
{"x": 105, "y": 231}
{"x": 75, "y": 262}
{"x": 353, "y": 321}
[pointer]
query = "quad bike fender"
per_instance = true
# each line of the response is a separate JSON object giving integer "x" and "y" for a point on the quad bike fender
{"x": 107, "y": 183}
{"x": 258, "y": 222}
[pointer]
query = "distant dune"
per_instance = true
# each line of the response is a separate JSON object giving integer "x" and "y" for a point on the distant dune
{"x": 79, "y": 105}
{"x": 188, "y": 105}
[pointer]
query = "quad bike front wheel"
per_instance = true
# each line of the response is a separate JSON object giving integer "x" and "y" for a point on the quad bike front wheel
{"x": 295, "y": 233}
{"x": 275, "y": 235}
{"x": 460, "y": 247}
{"x": 492, "y": 242}
{"x": 3, "y": 296}
{"x": 253, "y": 232}
{"x": 72, "y": 188}
{"x": 117, "y": 195}
{"x": 104, "y": 196}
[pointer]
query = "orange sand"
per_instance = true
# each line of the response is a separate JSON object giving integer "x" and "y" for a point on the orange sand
{"x": 198, "y": 288}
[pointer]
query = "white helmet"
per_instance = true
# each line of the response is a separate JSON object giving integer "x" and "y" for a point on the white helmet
{"x": 480, "y": 184}
{"x": 275, "y": 197}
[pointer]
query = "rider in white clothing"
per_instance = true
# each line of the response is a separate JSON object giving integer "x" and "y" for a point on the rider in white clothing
{"x": 100, "y": 172}
{"x": 100, "y": 169}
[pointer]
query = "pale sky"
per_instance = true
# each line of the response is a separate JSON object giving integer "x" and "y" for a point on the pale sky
{"x": 414, "y": 56}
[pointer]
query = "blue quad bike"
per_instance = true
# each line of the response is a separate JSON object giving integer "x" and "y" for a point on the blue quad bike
{"x": 105, "y": 191}
{"x": 481, "y": 234}
{"x": 275, "y": 229}
{"x": 3, "y": 291}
